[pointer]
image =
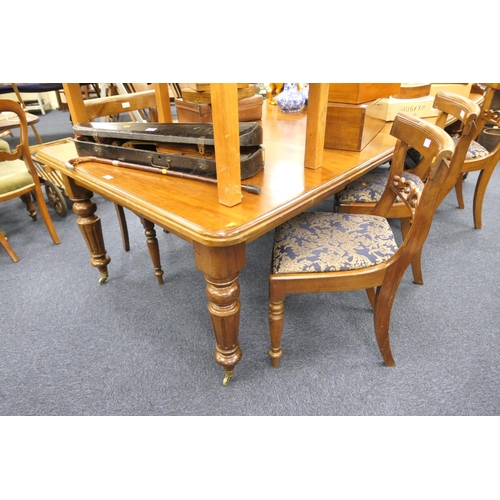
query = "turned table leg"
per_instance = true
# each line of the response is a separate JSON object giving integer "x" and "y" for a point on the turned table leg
{"x": 90, "y": 227}
{"x": 221, "y": 266}
{"x": 154, "y": 250}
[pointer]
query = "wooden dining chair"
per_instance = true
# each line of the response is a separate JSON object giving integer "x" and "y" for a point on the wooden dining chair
{"x": 333, "y": 252}
{"x": 479, "y": 159}
{"x": 362, "y": 195}
{"x": 18, "y": 177}
{"x": 23, "y": 105}
{"x": 157, "y": 102}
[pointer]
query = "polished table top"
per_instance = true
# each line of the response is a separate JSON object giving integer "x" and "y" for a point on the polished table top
{"x": 191, "y": 208}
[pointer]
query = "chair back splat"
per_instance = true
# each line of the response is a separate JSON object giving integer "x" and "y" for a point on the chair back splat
{"x": 329, "y": 252}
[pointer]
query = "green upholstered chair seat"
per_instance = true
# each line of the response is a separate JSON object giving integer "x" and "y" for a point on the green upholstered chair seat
{"x": 369, "y": 187}
{"x": 475, "y": 150}
{"x": 4, "y": 146}
{"x": 13, "y": 176}
{"x": 326, "y": 242}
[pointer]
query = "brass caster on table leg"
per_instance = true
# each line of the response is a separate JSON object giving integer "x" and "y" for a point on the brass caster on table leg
{"x": 103, "y": 278}
{"x": 228, "y": 377}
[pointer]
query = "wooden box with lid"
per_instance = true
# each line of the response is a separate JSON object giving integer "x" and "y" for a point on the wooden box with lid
{"x": 357, "y": 93}
{"x": 351, "y": 122}
{"x": 249, "y": 110}
{"x": 351, "y": 126}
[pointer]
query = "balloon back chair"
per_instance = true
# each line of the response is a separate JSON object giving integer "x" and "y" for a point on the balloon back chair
{"x": 18, "y": 177}
{"x": 330, "y": 252}
{"x": 479, "y": 158}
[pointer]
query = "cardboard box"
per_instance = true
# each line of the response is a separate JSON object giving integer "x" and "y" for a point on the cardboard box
{"x": 249, "y": 110}
{"x": 387, "y": 108}
{"x": 351, "y": 126}
{"x": 356, "y": 93}
{"x": 463, "y": 89}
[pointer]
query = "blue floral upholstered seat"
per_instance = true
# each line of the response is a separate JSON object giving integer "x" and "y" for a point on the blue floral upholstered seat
{"x": 326, "y": 242}
{"x": 369, "y": 187}
{"x": 475, "y": 150}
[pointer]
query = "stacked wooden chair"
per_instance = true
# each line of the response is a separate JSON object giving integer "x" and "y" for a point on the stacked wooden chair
{"x": 329, "y": 252}
{"x": 479, "y": 159}
{"x": 362, "y": 195}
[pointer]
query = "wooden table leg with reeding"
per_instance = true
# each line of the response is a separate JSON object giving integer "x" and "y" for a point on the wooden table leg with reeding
{"x": 154, "y": 250}
{"x": 90, "y": 227}
{"x": 221, "y": 266}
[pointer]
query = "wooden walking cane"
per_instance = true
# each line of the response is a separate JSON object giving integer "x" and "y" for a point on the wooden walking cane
{"x": 71, "y": 164}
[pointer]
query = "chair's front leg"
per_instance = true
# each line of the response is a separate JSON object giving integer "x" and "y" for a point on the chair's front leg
{"x": 276, "y": 318}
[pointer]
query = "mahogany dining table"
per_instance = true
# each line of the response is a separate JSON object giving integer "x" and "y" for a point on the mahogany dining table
{"x": 218, "y": 234}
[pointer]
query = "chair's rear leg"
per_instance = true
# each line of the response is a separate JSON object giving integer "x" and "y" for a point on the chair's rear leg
{"x": 416, "y": 263}
{"x": 122, "y": 221}
{"x": 370, "y": 292}
{"x": 481, "y": 185}
{"x": 459, "y": 191}
{"x": 30, "y": 207}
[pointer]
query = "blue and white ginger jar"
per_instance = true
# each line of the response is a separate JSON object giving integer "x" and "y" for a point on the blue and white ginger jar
{"x": 291, "y": 100}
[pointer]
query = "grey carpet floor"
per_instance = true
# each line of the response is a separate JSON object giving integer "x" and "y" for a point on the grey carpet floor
{"x": 131, "y": 347}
